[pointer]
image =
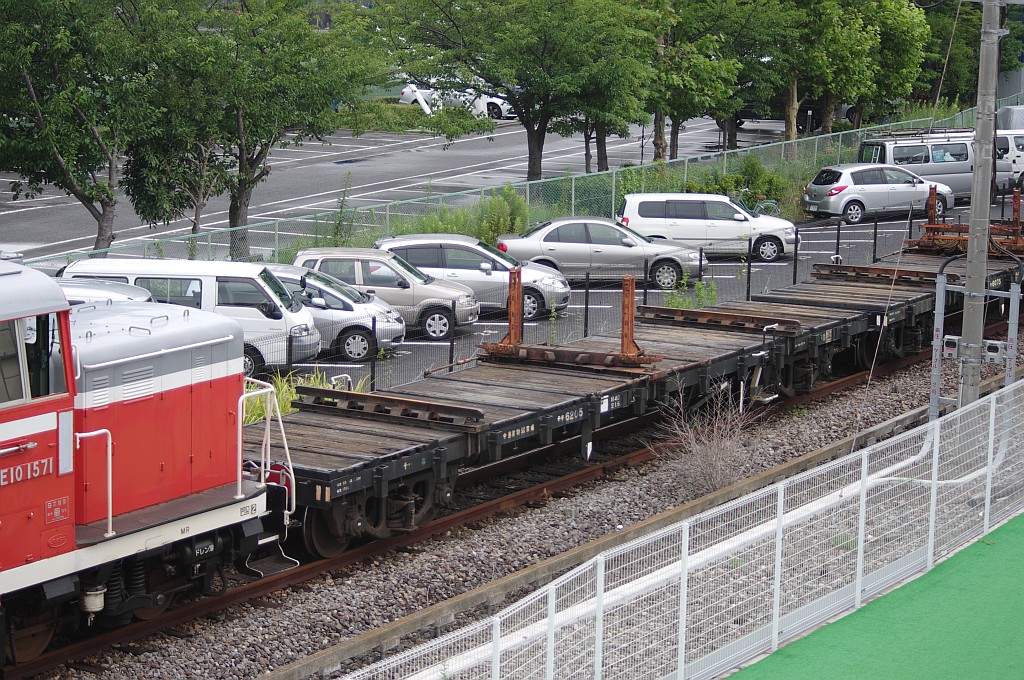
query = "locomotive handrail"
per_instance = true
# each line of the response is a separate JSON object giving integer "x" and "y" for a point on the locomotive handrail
{"x": 110, "y": 474}
{"x": 271, "y": 410}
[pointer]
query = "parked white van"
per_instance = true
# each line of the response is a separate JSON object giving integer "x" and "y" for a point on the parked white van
{"x": 1010, "y": 147}
{"x": 943, "y": 156}
{"x": 708, "y": 221}
{"x": 277, "y": 329}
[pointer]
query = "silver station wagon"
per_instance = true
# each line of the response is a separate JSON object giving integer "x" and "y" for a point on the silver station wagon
{"x": 856, "y": 190}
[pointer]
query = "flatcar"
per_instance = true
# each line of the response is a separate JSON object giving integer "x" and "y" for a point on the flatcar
{"x": 122, "y": 482}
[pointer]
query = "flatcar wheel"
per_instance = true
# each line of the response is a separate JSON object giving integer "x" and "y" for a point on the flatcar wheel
{"x": 318, "y": 538}
{"x": 30, "y": 639}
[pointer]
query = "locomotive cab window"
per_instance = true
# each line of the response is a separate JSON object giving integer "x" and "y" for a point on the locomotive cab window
{"x": 26, "y": 346}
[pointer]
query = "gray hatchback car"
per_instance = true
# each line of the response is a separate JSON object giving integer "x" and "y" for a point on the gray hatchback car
{"x": 856, "y": 190}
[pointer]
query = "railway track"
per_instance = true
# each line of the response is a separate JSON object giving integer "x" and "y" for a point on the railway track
{"x": 534, "y": 478}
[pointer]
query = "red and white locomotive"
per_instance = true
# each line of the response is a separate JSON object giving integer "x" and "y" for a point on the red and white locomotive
{"x": 121, "y": 475}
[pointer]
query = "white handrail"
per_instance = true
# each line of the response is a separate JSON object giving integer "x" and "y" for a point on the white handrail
{"x": 271, "y": 410}
{"x": 79, "y": 436}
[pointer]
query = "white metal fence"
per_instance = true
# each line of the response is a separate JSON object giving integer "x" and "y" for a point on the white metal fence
{"x": 696, "y": 599}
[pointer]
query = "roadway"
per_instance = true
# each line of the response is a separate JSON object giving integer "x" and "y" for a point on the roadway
{"x": 373, "y": 169}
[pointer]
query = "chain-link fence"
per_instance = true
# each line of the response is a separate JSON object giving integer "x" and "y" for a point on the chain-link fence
{"x": 698, "y": 598}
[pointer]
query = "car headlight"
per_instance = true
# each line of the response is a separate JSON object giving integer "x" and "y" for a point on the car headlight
{"x": 694, "y": 256}
{"x": 552, "y": 282}
{"x": 392, "y": 315}
{"x": 466, "y": 301}
{"x": 300, "y": 330}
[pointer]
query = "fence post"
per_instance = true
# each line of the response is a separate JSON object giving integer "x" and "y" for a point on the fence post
{"x": 861, "y": 528}
{"x": 586, "y": 305}
{"x": 686, "y": 170}
{"x": 780, "y": 511}
{"x": 815, "y": 163}
{"x": 750, "y": 257}
{"x": 839, "y": 234}
{"x": 289, "y": 353}
{"x": 572, "y": 196}
{"x": 549, "y": 660}
{"x": 933, "y": 501}
{"x": 528, "y": 197}
{"x": 796, "y": 254}
{"x": 684, "y": 570}
{"x": 451, "y": 341}
{"x": 495, "y": 647}
{"x": 647, "y": 265}
{"x": 615, "y": 172}
{"x": 373, "y": 358}
{"x": 277, "y": 240}
{"x": 387, "y": 218}
{"x": 988, "y": 470}
{"x": 874, "y": 243}
{"x": 700, "y": 263}
{"x": 598, "y": 616}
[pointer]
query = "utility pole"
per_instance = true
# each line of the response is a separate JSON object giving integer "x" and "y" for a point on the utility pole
{"x": 981, "y": 188}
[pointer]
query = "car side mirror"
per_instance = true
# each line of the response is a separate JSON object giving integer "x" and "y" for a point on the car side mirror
{"x": 486, "y": 267}
{"x": 402, "y": 283}
{"x": 627, "y": 242}
{"x": 739, "y": 217}
{"x": 318, "y": 302}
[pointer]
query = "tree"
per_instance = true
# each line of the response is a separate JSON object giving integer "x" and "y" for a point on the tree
{"x": 903, "y": 33}
{"x": 75, "y": 96}
{"x": 531, "y": 52}
{"x": 180, "y": 165}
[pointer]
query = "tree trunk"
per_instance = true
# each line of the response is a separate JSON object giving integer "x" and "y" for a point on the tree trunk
{"x": 601, "y": 142}
{"x": 588, "y": 134}
{"x": 535, "y": 148}
{"x": 792, "y": 106}
{"x": 658, "y": 140}
{"x": 104, "y": 227}
{"x": 828, "y": 113}
{"x": 673, "y": 139}
{"x": 238, "y": 216}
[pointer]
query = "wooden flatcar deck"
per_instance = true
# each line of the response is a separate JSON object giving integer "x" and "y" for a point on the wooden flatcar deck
{"x": 518, "y": 406}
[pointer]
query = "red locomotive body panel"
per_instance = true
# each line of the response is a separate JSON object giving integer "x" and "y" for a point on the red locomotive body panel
{"x": 38, "y": 501}
{"x": 172, "y": 414}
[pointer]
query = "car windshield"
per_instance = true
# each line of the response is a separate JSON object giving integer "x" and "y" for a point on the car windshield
{"x": 340, "y": 288}
{"x": 500, "y": 256}
{"x": 275, "y": 285}
{"x": 416, "y": 274}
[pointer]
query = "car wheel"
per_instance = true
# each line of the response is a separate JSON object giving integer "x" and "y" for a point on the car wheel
{"x": 353, "y": 344}
{"x": 768, "y": 249}
{"x": 533, "y": 305}
{"x": 940, "y": 207}
{"x": 666, "y": 275}
{"x": 252, "y": 362}
{"x": 548, "y": 263}
{"x": 853, "y": 213}
{"x": 438, "y": 324}
{"x": 494, "y": 111}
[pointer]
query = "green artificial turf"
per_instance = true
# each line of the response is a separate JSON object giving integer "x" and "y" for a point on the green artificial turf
{"x": 964, "y": 620}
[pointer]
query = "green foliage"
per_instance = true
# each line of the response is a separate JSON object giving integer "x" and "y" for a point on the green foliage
{"x": 703, "y": 294}
{"x": 285, "y": 393}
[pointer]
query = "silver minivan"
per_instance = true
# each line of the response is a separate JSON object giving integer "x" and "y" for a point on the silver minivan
{"x": 353, "y": 325}
{"x": 469, "y": 261}
{"x": 436, "y": 306}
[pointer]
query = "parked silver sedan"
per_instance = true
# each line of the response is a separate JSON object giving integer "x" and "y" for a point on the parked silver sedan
{"x": 856, "y": 190}
{"x": 605, "y": 249}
